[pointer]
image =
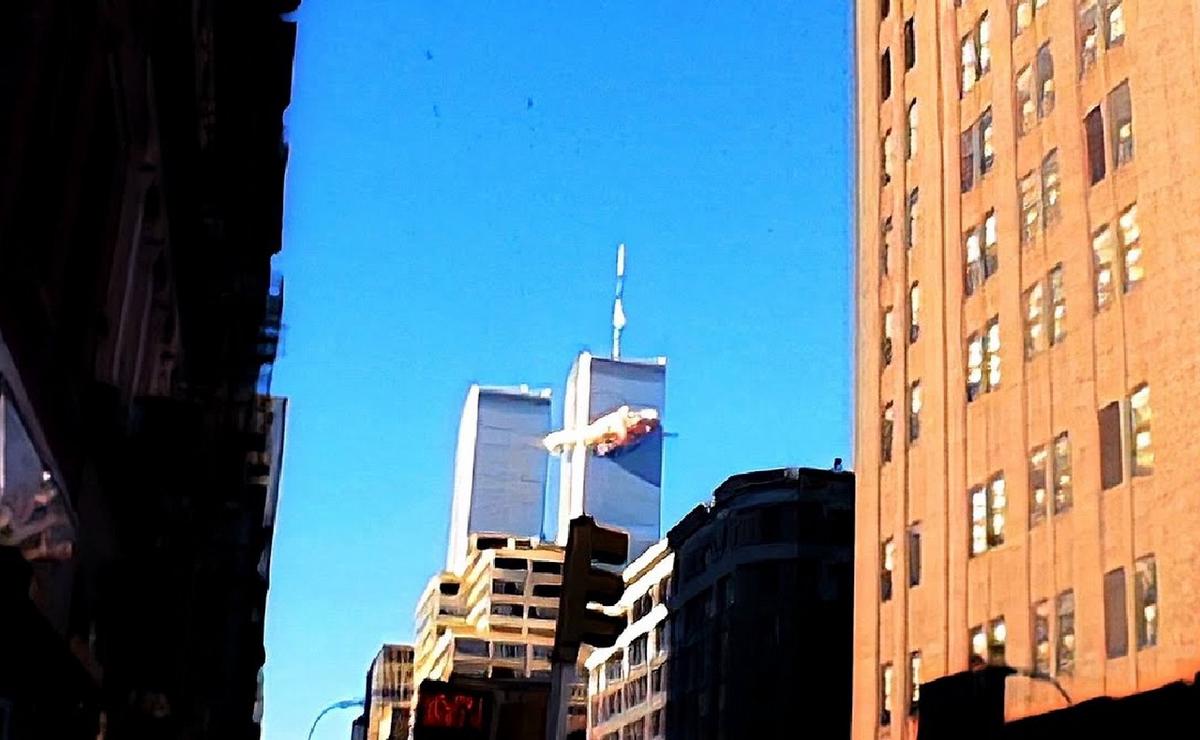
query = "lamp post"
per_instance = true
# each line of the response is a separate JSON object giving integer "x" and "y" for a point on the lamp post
{"x": 344, "y": 704}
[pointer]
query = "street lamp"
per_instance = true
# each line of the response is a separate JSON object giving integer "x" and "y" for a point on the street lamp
{"x": 344, "y": 704}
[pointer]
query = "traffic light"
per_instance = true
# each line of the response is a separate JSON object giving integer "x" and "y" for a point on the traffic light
{"x": 584, "y": 583}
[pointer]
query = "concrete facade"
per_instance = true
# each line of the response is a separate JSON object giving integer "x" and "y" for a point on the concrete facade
{"x": 627, "y": 683}
{"x": 389, "y": 693}
{"x": 1080, "y": 563}
{"x": 497, "y": 619}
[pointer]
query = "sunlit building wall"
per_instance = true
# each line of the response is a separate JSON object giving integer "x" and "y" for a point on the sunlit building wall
{"x": 500, "y": 467}
{"x": 621, "y": 487}
{"x": 1028, "y": 210}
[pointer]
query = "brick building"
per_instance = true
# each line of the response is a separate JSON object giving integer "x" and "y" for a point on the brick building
{"x": 1028, "y": 209}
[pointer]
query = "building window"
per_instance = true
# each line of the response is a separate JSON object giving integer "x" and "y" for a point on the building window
{"x": 885, "y": 7}
{"x": 989, "y": 506}
{"x": 1037, "y": 485}
{"x": 1035, "y": 335}
{"x": 1139, "y": 422}
{"x": 1051, "y": 208}
{"x": 1026, "y": 106}
{"x": 510, "y": 651}
{"x": 1120, "y": 108}
{"x": 1062, "y": 473}
{"x": 1022, "y": 16}
{"x": 977, "y": 154}
{"x": 1058, "y": 305}
{"x": 910, "y": 44}
{"x": 1030, "y": 210}
{"x": 979, "y": 646}
{"x": 660, "y": 638}
{"x": 888, "y": 333}
{"x": 985, "y": 44}
{"x": 910, "y": 227}
{"x": 1111, "y": 460}
{"x": 967, "y": 159}
{"x": 997, "y": 638}
{"x": 1114, "y": 22}
{"x": 1041, "y": 638}
{"x": 1145, "y": 594}
{"x": 1104, "y": 250}
{"x": 886, "y": 429}
{"x": 1089, "y": 36}
{"x": 1093, "y": 126}
{"x": 510, "y": 588}
{"x": 914, "y": 555}
{"x": 997, "y": 510}
{"x": 888, "y": 569}
{"x": 1045, "y": 74}
{"x": 974, "y": 367}
{"x": 1065, "y": 649}
{"x": 656, "y": 723}
{"x": 656, "y": 685}
{"x": 508, "y": 610}
{"x": 885, "y": 699}
{"x": 976, "y": 55}
{"x": 637, "y": 650}
{"x": 913, "y": 124}
{"x": 970, "y": 63}
{"x": 914, "y": 681}
{"x": 974, "y": 252}
{"x": 979, "y": 521}
{"x": 885, "y": 75}
{"x": 914, "y": 412}
{"x": 889, "y": 146}
{"x": 914, "y": 313}
{"x": 991, "y": 248}
{"x": 991, "y": 354}
{"x": 1131, "y": 244}
{"x": 885, "y": 229}
{"x": 1116, "y": 628}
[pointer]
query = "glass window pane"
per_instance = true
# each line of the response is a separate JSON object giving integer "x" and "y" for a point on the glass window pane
{"x": 1104, "y": 251}
{"x": 1131, "y": 243}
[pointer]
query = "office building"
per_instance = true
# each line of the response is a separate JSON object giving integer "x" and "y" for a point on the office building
{"x": 141, "y": 201}
{"x": 387, "y": 710}
{"x": 739, "y": 620}
{"x": 611, "y": 447}
{"x": 500, "y": 467}
{"x": 497, "y": 618}
{"x": 1028, "y": 197}
{"x": 761, "y": 608}
{"x": 627, "y": 683}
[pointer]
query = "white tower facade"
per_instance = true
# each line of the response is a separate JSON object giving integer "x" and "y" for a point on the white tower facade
{"x": 611, "y": 447}
{"x": 500, "y": 467}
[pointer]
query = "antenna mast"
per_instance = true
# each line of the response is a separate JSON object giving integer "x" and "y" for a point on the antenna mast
{"x": 618, "y": 319}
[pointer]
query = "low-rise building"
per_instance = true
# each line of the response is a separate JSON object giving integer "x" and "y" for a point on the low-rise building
{"x": 497, "y": 619}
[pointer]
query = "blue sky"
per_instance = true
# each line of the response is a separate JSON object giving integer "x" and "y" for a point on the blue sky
{"x": 460, "y": 175}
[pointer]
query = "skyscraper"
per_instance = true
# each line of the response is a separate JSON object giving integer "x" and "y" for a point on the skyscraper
{"x": 1027, "y": 290}
{"x": 612, "y": 447}
{"x": 500, "y": 467}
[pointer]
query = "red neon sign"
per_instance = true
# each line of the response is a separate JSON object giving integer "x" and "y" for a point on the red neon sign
{"x": 451, "y": 711}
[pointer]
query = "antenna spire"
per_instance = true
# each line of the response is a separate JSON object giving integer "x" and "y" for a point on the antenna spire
{"x": 618, "y": 319}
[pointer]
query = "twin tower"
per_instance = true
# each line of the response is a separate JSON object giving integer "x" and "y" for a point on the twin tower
{"x": 610, "y": 452}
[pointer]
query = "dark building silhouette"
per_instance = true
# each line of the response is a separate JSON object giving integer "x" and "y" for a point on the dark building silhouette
{"x": 141, "y": 190}
{"x": 761, "y": 609}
